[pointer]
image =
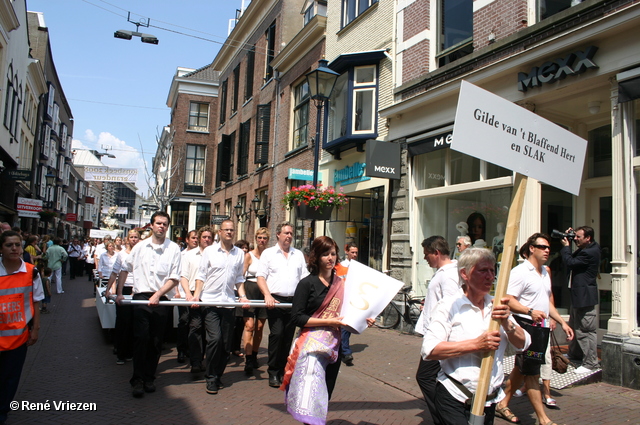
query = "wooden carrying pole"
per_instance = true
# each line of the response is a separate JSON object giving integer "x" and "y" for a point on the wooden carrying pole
{"x": 508, "y": 253}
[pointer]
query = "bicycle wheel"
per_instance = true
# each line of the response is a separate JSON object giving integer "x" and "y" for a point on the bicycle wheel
{"x": 389, "y": 317}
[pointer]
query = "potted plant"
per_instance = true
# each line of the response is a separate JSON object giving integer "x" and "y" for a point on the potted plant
{"x": 47, "y": 215}
{"x": 314, "y": 203}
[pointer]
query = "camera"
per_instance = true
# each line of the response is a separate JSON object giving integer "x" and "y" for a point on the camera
{"x": 570, "y": 235}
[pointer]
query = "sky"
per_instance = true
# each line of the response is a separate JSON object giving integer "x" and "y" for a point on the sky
{"x": 117, "y": 89}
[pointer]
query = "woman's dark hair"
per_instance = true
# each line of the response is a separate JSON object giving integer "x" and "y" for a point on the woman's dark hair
{"x": 320, "y": 245}
{"x": 472, "y": 217}
{"x": 8, "y": 234}
{"x": 31, "y": 239}
{"x": 242, "y": 244}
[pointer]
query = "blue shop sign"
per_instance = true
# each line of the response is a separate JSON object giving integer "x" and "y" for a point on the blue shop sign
{"x": 351, "y": 174}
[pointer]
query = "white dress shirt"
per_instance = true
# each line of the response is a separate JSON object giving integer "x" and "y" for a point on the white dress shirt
{"x": 444, "y": 283}
{"x": 153, "y": 265}
{"x": 220, "y": 271}
{"x": 531, "y": 289}
{"x": 118, "y": 265}
{"x": 190, "y": 264}
{"x": 282, "y": 273}
{"x": 457, "y": 319}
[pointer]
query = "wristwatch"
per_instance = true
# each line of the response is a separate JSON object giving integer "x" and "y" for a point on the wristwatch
{"x": 530, "y": 312}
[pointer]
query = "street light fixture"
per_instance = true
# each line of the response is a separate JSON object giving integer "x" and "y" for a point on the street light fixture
{"x": 321, "y": 82}
{"x": 128, "y": 35}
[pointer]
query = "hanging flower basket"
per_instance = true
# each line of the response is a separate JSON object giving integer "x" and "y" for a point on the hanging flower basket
{"x": 305, "y": 212}
{"x": 313, "y": 203}
{"x": 47, "y": 215}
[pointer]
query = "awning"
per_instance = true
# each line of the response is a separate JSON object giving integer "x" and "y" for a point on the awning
{"x": 347, "y": 60}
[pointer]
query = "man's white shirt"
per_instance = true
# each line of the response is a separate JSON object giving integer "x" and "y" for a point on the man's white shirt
{"x": 282, "y": 273}
{"x": 444, "y": 283}
{"x": 153, "y": 265}
{"x": 220, "y": 271}
{"x": 531, "y": 289}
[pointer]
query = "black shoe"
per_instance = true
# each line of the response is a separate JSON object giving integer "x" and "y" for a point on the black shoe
{"x": 196, "y": 368}
{"x": 149, "y": 387}
{"x": 181, "y": 357}
{"x": 137, "y": 389}
{"x": 274, "y": 381}
{"x": 120, "y": 362}
{"x": 253, "y": 360}
{"x": 212, "y": 387}
{"x": 219, "y": 383}
{"x": 348, "y": 360}
{"x": 248, "y": 368}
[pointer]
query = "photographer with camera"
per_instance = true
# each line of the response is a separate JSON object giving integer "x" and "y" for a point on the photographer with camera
{"x": 583, "y": 265}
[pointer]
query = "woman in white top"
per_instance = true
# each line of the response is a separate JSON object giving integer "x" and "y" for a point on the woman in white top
{"x": 254, "y": 318}
{"x": 124, "y": 313}
{"x": 89, "y": 262}
{"x": 107, "y": 260}
{"x": 118, "y": 242}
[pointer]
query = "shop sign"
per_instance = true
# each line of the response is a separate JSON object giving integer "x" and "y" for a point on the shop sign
{"x": 71, "y": 217}
{"x": 496, "y": 130}
{"x": 107, "y": 174}
{"x": 24, "y": 175}
{"x": 300, "y": 174}
{"x": 431, "y": 143}
{"x": 383, "y": 159}
{"x": 218, "y": 219}
{"x": 573, "y": 64}
{"x": 28, "y": 207}
{"x": 350, "y": 174}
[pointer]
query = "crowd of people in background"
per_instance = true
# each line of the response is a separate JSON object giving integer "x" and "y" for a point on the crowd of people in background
{"x": 221, "y": 278}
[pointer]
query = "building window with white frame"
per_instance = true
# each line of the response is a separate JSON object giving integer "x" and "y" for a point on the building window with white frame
{"x": 351, "y": 9}
{"x": 194, "y": 169}
{"x": 455, "y": 21}
{"x": 364, "y": 105}
{"x": 300, "y": 115}
{"x": 199, "y": 116}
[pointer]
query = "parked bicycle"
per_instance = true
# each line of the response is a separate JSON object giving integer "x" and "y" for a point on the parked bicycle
{"x": 408, "y": 310}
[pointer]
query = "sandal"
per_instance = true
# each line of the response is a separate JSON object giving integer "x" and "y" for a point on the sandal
{"x": 506, "y": 414}
{"x": 238, "y": 353}
{"x": 549, "y": 402}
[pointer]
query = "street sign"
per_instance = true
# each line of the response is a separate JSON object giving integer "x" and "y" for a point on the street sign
{"x": 498, "y": 131}
{"x": 218, "y": 219}
{"x": 24, "y": 175}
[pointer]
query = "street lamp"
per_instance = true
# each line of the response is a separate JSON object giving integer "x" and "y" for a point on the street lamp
{"x": 321, "y": 82}
{"x": 128, "y": 35}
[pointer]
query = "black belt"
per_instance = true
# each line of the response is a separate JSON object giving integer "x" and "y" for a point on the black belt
{"x": 468, "y": 393}
{"x": 282, "y": 299}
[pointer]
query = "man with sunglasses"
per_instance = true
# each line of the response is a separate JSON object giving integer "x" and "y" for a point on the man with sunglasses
{"x": 529, "y": 294}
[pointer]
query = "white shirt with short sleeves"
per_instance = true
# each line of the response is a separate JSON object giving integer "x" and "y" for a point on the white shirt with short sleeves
{"x": 220, "y": 271}
{"x": 457, "y": 319}
{"x": 444, "y": 283}
{"x": 118, "y": 265}
{"x": 153, "y": 265}
{"x": 190, "y": 264}
{"x": 282, "y": 273}
{"x": 531, "y": 289}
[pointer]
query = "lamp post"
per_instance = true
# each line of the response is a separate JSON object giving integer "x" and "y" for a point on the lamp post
{"x": 321, "y": 82}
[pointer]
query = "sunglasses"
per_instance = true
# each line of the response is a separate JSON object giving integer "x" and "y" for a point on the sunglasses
{"x": 542, "y": 247}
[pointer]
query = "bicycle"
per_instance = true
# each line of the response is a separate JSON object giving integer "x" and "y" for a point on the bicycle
{"x": 392, "y": 314}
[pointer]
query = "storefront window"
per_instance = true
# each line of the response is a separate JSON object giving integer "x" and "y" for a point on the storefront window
{"x": 557, "y": 213}
{"x": 495, "y": 171}
{"x": 599, "y": 152}
{"x": 429, "y": 169}
{"x": 482, "y": 215}
{"x": 464, "y": 168}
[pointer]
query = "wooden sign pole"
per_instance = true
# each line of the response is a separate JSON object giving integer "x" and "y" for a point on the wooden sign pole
{"x": 508, "y": 253}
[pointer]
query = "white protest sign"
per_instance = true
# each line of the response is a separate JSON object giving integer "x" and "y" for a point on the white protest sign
{"x": 496, "y": 130}
{"x": 28, "y": 207}
{"x": 366, "y": 293}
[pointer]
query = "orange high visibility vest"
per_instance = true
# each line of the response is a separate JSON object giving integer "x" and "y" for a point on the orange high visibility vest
{"x": 341, "y": 271}
{"x": 16, "y": 308}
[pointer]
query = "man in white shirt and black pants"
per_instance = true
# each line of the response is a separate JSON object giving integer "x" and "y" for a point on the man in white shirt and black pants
{"x": 281, "y": 268}
{"x": 221, "y": 269}
{"x": 444, "y": 283}
{"x": 155, "y": 263}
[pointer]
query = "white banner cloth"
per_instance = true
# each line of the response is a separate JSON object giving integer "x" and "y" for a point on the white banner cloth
{"x": 366, "y": 293}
